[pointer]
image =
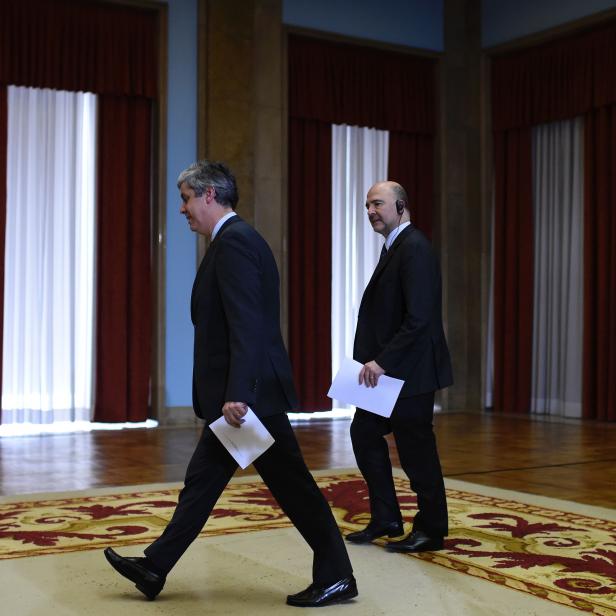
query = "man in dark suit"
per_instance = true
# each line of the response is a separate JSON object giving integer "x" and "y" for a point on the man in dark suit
{"x": 400, "y": 333}
{"x": 240, "y": 362}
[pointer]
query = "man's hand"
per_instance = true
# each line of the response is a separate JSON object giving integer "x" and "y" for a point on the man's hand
{"x": 233, "y": 413}
{"x": 370, "y": 373}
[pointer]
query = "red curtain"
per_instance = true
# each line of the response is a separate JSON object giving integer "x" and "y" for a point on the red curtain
{"x": 555, "y": 81}
{"x": 338, "y": 83}
{"x": 411, "y": 163}
{"x": 110, "y": 50}
{"x": 513, "y": 270}
{"x": 599, "y": 380}
{"x": 310, "y": 268}
{"x": 123, "y": 276}
{"x": 79, "y": 46}
{"x": 3, "y": 147}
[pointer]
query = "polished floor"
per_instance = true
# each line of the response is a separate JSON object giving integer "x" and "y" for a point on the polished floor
{"x": 572, "y": 460}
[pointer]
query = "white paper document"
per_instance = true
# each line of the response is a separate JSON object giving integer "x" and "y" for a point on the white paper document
{"x": 245, "y": 443}
{"x": 380, "y": 399}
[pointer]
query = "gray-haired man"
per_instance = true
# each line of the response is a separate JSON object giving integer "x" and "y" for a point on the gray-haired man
{"x": 239, "y": 362}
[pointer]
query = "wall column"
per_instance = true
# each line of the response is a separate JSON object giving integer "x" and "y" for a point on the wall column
{"x": 242, "y": 111}
{"x": 460, "y": 224}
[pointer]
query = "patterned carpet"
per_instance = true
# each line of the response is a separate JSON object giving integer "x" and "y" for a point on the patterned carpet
{"x": 557, "y": 555}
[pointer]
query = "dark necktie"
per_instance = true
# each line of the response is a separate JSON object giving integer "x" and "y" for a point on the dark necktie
{"x": 383, "y": 253}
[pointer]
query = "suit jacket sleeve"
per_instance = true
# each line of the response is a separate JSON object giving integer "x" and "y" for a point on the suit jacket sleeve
{"x": 238, "y": 272}
{"x": 420, "y": 281}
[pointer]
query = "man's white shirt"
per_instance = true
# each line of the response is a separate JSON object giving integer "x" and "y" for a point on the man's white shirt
{"x": 391, "y": 238}
{"x": 221, "y": 222}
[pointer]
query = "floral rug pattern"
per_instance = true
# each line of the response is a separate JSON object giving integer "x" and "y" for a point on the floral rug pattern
{"x": 555, "y": 555}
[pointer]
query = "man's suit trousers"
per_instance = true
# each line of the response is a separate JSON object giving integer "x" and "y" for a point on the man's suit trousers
{"x": 284, "y": 471}
{"x": 411, "y": 424}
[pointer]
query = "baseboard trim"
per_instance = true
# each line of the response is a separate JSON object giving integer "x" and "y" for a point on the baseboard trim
{"x": 179, "y": 416}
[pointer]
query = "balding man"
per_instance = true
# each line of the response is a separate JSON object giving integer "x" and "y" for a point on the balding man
{"x": 400, "y": 333}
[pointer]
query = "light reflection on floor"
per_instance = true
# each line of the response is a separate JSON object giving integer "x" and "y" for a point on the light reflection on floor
{"x": 333, "y": 414}
{"x": 67, "y": 427}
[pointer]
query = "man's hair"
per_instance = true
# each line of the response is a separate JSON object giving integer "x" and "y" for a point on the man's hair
{"x": 205, "y": 173}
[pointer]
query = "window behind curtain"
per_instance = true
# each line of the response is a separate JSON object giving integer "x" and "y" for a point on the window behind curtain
{"x": 49, "y": 256}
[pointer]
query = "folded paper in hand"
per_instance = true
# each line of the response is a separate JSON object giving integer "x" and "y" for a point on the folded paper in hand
{"x": 380, "y": 399}
{"x": 245, "y": 443}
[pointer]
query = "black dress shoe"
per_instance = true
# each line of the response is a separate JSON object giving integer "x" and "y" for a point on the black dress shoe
{"x": 374, "y": 530}
{"x": 148, "y": 582}
{"x": 318, "y": 596}
{"x": 417, "y": 541}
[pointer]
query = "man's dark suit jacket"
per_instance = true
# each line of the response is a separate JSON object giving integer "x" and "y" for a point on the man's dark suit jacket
{"x": 400, "y": 317}
{"x": 239, "y": 354}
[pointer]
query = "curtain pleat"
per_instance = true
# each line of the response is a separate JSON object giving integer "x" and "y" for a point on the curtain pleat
{"x": 411, "y": 163}
{"x": 310, "y": 196}
{"x": 123, "y": 348}
{"x": 3, "y": 149}
{"x": 599, "y": 382}
{"x": 513, "y": 270}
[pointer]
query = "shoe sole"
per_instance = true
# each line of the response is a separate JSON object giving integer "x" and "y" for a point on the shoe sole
{"x": 387, "y": 533}
{"x": 149, "y": 595}
{"x": 366, "y": 541}
{"x": 391, "y": 548}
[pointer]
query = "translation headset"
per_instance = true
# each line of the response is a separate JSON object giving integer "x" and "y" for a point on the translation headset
{"x": 400, "y": 207}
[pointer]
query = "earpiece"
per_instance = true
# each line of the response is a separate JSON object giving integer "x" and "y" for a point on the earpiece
{"x": 400, "y": 207}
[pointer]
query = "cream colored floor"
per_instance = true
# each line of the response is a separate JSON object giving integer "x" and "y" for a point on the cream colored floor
{"x": 251, "y": 574}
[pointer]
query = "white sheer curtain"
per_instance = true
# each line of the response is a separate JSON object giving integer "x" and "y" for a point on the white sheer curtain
{"x": 558, "y": 271}
{"x": 49, "y": 260}
{"x": 359, "y": 159}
